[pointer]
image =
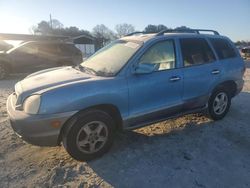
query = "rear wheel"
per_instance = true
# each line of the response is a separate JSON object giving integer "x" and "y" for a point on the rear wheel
{"x": 90, "y": 136}
{"x": 219, "y": 104}
{"x": 3, "y": 71}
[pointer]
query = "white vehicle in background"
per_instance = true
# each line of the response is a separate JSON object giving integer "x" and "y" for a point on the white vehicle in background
{"x": 245, "y": 52}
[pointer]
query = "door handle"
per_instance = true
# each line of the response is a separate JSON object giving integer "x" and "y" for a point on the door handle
{"x": 215, "y": 72}
{"x": 174, "y": 78}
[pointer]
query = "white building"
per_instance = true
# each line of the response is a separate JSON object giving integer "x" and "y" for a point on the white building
{"x": 86, "y": 44}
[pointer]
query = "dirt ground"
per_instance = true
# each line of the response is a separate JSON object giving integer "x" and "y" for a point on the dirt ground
{"x": 191, "y": 151}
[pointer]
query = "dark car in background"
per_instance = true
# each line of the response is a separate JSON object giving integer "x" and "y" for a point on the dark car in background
{"x": 36, "y": 55}
{"x": 4, "y": 46}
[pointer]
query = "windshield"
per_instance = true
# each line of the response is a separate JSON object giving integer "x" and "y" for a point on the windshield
{"x": 18, "y": 46}
{"x": 109, "y": 60}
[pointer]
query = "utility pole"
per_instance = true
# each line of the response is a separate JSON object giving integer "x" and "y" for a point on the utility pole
{"x": 50, "y": 20}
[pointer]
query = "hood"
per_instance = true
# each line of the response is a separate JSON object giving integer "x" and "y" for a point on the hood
{"x": 48, "y": 79}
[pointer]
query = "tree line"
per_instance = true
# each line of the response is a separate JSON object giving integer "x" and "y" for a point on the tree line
{"x": 101, "y": 33}
{"x": 242, "y": 43}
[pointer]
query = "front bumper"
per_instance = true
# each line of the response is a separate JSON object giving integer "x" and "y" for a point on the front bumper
{"x": 36, "y": 129}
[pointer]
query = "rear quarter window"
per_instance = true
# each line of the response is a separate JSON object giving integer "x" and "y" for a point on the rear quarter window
{"x": 223, "y": 48}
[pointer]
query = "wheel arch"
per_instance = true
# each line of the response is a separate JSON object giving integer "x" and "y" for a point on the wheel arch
{"x": 111, "y": 109}
{"x": 229, "y": 85}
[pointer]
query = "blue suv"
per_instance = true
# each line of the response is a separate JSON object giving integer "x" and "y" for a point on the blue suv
{"x": 135, "y": 81}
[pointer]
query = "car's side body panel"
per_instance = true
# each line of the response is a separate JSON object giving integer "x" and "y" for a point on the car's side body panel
{"x": 232, "y": 69}
{"x": 197, "y": 85}
{"x": 154, "y": 95}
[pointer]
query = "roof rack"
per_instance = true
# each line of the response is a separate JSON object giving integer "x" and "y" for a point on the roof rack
{"x": 197, "y": 31}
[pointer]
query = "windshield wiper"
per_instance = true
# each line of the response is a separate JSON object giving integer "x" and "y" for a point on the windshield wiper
{"x": 76, "y": 67}
{"x": 86, "y": 69}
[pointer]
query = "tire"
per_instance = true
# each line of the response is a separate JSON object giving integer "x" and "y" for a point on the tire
{"x": 219, "y": 104}
{"x": 3, "y": 71}
{"x": 89, "y": 136}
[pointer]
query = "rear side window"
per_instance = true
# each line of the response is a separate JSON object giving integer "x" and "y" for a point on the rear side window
{"x": 196, "y": 51}
{"x": 223, "y": 48}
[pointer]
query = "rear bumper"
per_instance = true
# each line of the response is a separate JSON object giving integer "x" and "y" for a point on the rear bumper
{"x": 36, "y": 129}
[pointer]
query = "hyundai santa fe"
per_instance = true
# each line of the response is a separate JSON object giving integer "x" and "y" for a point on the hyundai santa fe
{"x": 135, "y": 81}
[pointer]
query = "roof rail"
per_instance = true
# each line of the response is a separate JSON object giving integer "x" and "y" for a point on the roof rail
{"x": 197, "y": 31}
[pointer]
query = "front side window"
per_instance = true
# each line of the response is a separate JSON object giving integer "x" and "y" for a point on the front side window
{"x": 109, "y": 60}
{"x": 223, "y": 48}
{"x": 196, "y": 51}
{"x": 161, "y": 56}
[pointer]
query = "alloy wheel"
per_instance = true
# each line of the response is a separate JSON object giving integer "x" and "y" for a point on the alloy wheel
{"x": 220, "y": 103}
{"x": 92, "y": 137}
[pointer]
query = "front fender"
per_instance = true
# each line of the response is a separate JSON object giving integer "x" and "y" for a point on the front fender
{"x": 81, "y": 96}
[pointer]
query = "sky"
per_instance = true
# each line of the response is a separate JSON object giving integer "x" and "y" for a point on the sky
{"x": 229, "y": 17}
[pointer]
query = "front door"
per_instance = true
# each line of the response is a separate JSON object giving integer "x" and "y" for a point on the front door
{"x": 155, "y": 95}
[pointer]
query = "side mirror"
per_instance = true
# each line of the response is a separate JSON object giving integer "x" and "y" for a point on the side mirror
{"x": 145, "y": 68}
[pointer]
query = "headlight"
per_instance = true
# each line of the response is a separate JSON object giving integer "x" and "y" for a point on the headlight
{"x": 31, "y": 104}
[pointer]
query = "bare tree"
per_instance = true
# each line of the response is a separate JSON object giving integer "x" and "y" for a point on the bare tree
{"x": 155, "y": 28}
{"x": 103, "y": 35}
{"x": 32, "y": 29}
{"x": 43, "y": 28}
{"x": 124, "y": 29}
{"x": 56, "y": 24}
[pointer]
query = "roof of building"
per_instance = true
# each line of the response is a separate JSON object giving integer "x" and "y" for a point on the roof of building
{"x": 83, "y": 39}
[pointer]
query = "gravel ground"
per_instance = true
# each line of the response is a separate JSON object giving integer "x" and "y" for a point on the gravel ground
{"x": 191, "y": 151}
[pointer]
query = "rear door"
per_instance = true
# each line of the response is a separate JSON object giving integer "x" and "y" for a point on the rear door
{"x": 201, "y": 71}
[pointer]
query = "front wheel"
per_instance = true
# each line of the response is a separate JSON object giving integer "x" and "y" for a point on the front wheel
{"x": 90, "y": 136}
{"x": 219, "y": 104}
